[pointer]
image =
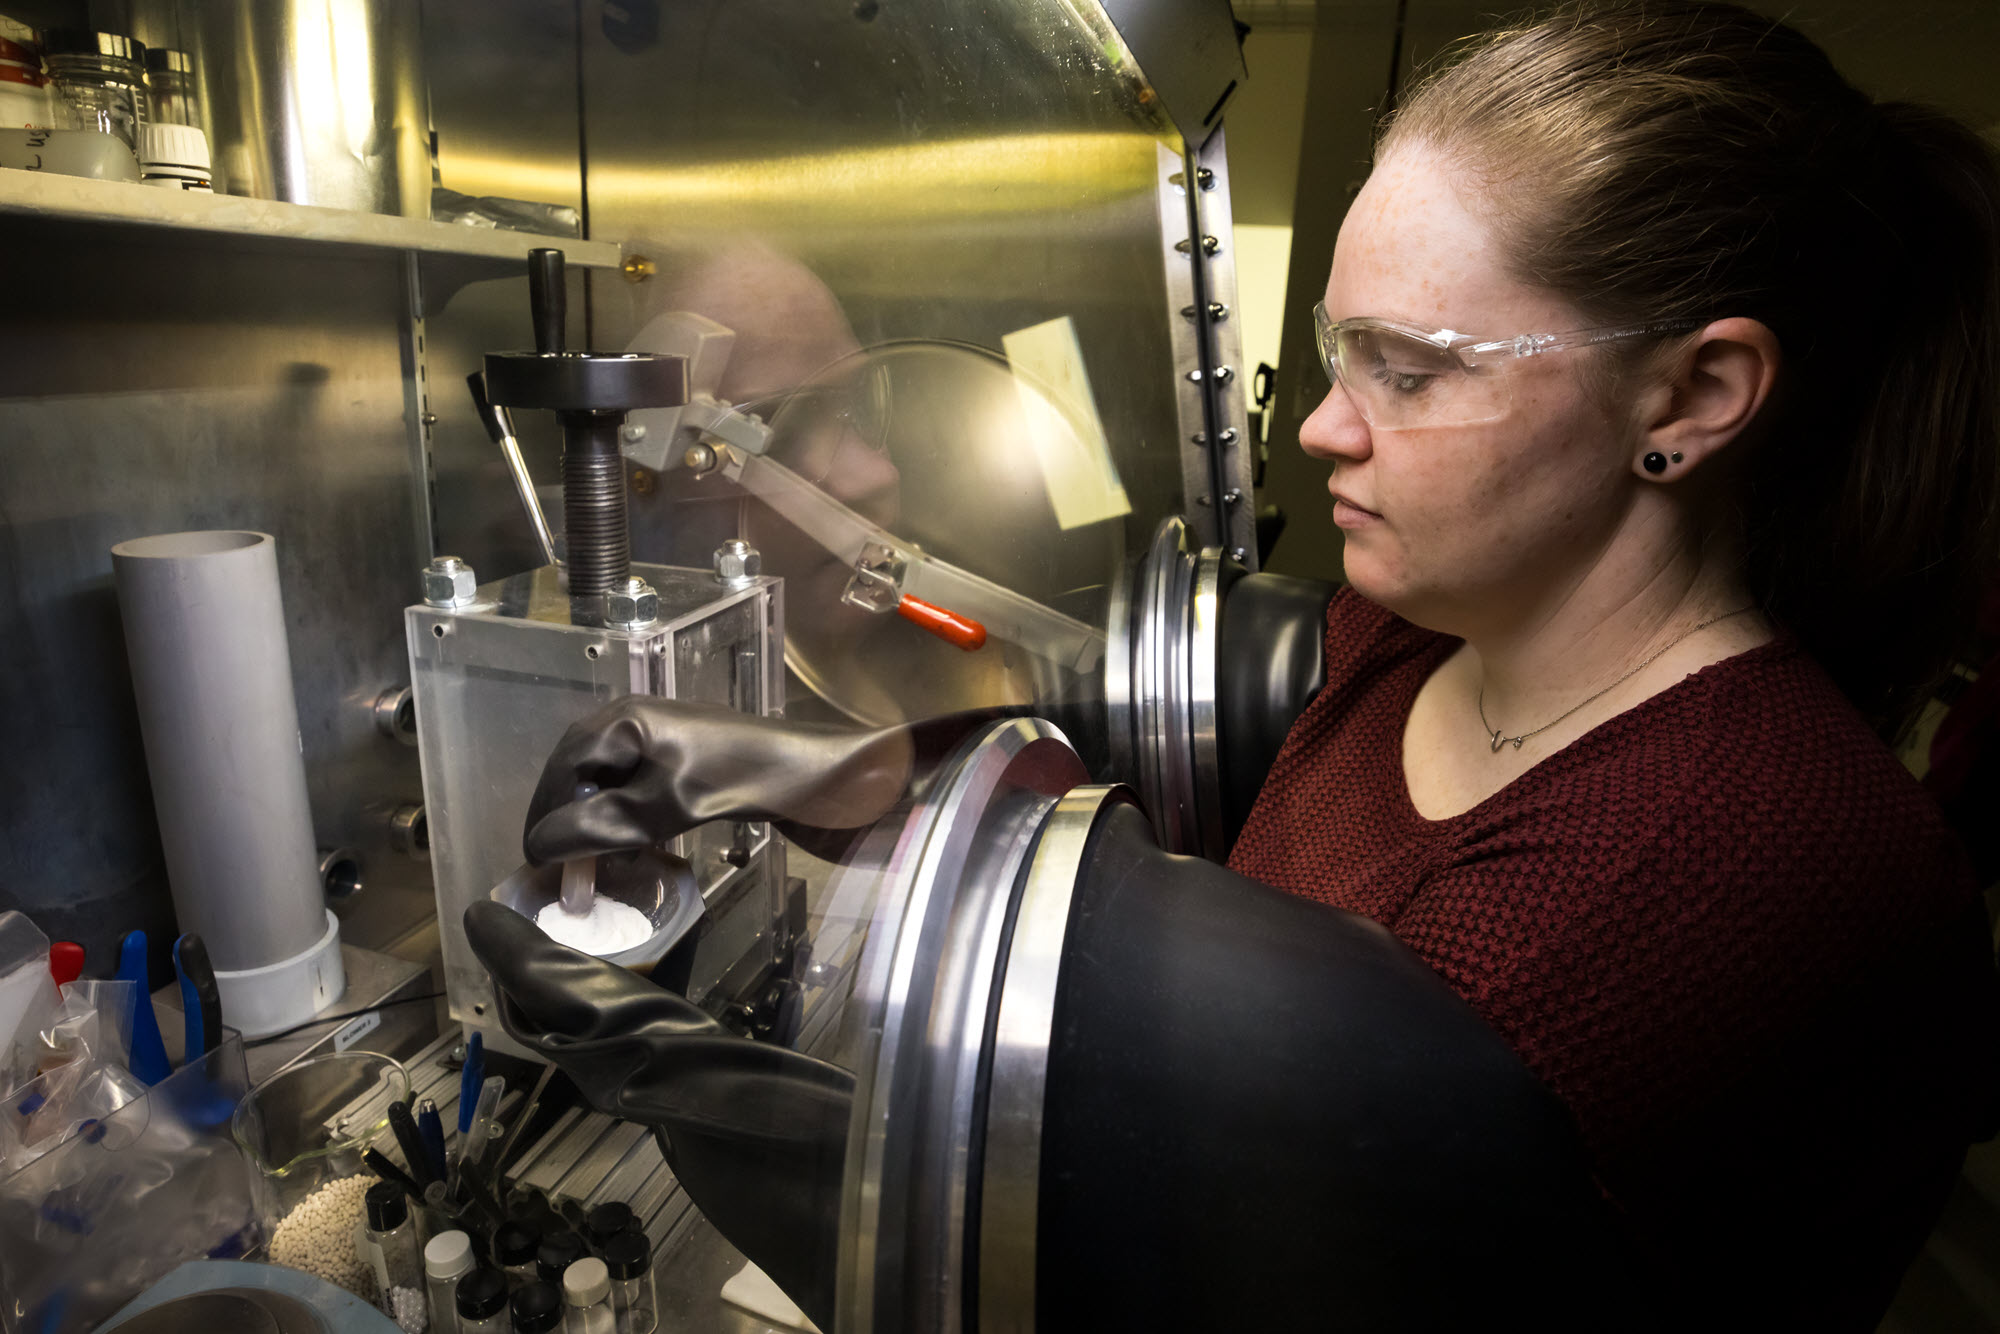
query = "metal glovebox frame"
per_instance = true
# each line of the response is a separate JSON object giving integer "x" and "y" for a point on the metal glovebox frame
{"x": 1161, "y": 666}
{"x": 498, "y": 679}
{"x": 949, "y": 1030}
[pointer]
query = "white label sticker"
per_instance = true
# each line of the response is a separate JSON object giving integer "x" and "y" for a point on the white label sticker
{"x": 356, "y": 1029}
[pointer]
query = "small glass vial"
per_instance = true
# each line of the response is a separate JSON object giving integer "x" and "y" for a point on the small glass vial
{"x": 480, "y": 1303}
{"x": 447, "y": 1260}
{"x": 606, "y": 1221}
{"x": 100, "y": 81}
{"x": 171, "y": 98}
{"x": 587, "y": 1299}
{"x": 558, "y": 1251}
{"x": 629, "y": 1259}
{"x": 536, "y": 1308}
{"x": 514, "y": 1247}
{"x": 392, "y": 1250}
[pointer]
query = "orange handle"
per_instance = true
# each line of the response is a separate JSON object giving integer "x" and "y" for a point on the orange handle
{"x": 946, "y": 625}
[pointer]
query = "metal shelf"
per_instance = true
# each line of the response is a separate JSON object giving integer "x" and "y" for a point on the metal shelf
{"x": 458, "y": 253}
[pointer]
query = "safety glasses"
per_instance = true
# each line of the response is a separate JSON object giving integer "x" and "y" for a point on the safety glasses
{"x": 1400, "y": 376}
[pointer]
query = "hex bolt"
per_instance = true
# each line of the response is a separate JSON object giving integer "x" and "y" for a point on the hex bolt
{"x": 449, "y": 582}
{"x": 632, "y": 433}
{"x": 1232, "y": 496}
{"x": 631, "y": 603}
{"x": 699, "y": 459}
{"x": 1227, "y": 436}
{"x": 737, "y": 563}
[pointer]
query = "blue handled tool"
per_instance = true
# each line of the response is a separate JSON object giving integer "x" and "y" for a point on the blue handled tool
{"x": 201, "y": 1003}
{"x": 470, "y": 1076}
{"x": 149, "y": 1052}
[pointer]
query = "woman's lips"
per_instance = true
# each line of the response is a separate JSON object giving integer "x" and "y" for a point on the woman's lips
{"x": 1347, "y": 514}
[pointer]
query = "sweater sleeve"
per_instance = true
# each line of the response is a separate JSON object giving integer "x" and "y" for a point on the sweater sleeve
{"x": 1756, "y": 973}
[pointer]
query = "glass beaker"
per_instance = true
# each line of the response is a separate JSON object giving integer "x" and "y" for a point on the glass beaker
{"x": 304, "y": 1130}
{"x": 100, "y": 81}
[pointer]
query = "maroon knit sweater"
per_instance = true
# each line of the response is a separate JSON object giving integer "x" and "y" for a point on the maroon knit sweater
{"x": 1726, "y": 927}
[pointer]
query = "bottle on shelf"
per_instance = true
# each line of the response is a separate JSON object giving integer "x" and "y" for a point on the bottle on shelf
{"x": 587, "y": 1298}
{"x": 480, "y": 1304}
{"x": 393, "y": 1252}
{"x": 100, "y": 81}
{"x": 448, "y": 1259}
{"x": 537, "y": 1308}
{"x": 629, "y": 1259}
{"x": 606, "y": 1221}
{"x": 514, "y": 1248}
{"x": 558, "y": 1251}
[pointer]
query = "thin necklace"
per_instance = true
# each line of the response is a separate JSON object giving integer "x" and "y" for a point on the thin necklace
{"x": 1493, "y": 733}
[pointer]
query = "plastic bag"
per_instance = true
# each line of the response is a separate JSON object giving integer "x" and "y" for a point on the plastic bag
{"x": 27, "y": 997}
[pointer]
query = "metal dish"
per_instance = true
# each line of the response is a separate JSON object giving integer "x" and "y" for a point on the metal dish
{"x": 658, "y": 885}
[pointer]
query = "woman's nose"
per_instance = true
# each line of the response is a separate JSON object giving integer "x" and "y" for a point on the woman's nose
{"x": 1336, "y": 430}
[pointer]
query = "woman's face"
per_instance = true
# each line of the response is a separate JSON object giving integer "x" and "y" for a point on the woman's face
{"x": 1461, "y": 527}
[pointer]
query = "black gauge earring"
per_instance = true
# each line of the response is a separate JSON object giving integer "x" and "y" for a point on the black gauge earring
{"x": 1654, "y": 463}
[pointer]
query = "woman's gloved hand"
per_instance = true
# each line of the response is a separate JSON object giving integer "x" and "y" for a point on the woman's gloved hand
{"x": 757, "y": 1134}
{"x": 663, "y": 766}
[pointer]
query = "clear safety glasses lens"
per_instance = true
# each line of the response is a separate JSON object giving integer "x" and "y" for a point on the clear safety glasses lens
{"x": 1396, "y": 380}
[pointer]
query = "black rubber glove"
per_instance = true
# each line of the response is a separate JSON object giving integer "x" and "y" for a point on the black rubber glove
{"x": 756, "y": 1133}
{"x": 663, "y": 766}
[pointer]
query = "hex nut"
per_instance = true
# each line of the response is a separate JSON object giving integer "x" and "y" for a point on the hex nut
{"x": 737, "y": 562}
{"x": 449, "y": 581}
{"x": 634, "y": 602}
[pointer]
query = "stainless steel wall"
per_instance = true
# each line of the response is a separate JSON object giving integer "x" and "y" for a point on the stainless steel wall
{"x": 822, "y": 177}
{"x": 155, "y": 385}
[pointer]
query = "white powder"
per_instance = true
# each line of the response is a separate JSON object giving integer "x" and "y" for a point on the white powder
{"x": 607, "y": 928}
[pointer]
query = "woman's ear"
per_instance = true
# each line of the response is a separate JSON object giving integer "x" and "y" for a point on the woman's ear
{"x": 1713, "y": 390}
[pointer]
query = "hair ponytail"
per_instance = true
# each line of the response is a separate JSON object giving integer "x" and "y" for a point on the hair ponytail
{"x": 1672, "y": 159}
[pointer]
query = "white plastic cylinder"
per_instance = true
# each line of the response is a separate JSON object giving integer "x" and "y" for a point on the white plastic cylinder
{"x": 205, "y": 634}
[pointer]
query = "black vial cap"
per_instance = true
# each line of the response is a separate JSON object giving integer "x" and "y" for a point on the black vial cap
{"x": 608, "y": 1220}
{"x": 537, "y": 1307}
{"x": 515, "y": 1244}
{"x": 482, "y": 1294}
{"x": 558, "y": 1251}
{"x": 628, "y": 1255}
{"x": 386, "y": 1207}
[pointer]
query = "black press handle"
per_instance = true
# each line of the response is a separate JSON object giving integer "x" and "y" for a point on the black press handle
{"x": 548, "y": 298}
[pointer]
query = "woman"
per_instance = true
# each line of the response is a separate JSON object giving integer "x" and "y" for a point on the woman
{"x": 1630, "y": 607}
{"x": 1641, "y": 571}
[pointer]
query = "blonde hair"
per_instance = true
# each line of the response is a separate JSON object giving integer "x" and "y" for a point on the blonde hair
{"x": 1666, "y": 159}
